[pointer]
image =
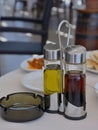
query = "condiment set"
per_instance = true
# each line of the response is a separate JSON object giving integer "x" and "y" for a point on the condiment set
{"x": 70, "y": 98}
{"x": 65, "y": 77}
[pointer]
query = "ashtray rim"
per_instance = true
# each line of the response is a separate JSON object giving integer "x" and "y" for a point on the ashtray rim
{"x": 32, "y": 111}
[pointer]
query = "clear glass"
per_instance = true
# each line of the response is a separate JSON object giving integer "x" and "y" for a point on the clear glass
{"x": 52, "y": 89}
{"x": 79, "y": 67}
{"x": 74, "y": 91}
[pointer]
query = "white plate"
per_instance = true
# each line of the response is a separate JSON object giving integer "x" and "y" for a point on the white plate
{"x": 34, "y": 81}
{"x": 88, "y": 69}
{"x": 24, "y": 64}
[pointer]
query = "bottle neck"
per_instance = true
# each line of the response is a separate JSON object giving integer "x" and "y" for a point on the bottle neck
{"x": 47, "y": 63}
{"x": 76, "y": 67}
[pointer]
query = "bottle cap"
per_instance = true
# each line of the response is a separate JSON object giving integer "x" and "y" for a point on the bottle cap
{"x": 75, "y": 54}
{"x": 52, "y": 51}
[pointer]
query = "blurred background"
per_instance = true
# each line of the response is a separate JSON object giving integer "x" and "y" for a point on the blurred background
{"x": 70, "y": 10}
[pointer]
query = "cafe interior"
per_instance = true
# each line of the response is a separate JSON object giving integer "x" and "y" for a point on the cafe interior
{"x": 64, "y": 30}
{"x": 21, "y": 21}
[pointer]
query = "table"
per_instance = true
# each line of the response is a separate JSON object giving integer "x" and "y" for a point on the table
{"x": 11, "y": 82}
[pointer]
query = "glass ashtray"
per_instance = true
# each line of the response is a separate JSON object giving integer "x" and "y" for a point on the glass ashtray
{"x": 21, "y": 107}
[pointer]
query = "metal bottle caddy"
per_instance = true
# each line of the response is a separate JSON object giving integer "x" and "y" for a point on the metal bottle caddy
{"x": 68, "y": 62}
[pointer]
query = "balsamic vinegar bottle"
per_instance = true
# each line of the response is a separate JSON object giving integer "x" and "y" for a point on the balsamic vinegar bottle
{"x": 75, "y": 82}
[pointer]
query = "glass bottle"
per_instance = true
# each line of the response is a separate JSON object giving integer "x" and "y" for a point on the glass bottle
{"x": 52, "y": 75}
{"x": 75, "y": 82}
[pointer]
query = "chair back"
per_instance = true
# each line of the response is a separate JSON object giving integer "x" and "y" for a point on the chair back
{"x": 36, "y": 47}
{"x": 46, "y": 17}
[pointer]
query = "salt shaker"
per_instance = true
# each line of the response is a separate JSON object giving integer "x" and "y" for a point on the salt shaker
{"x": 52, "y": 75}
{"x": 75, "y": 82}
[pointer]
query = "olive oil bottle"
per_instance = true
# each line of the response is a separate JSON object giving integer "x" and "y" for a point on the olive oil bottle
{"x": 52, "y": 73}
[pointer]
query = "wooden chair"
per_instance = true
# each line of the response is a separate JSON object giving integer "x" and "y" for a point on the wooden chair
{"x": 18, "y": 47}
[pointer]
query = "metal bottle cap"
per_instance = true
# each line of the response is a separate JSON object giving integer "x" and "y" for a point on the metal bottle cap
{"x": 51, "y": 51}
{"x": 75, "y": 54}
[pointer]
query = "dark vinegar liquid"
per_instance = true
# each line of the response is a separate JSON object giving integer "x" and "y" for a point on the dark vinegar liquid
{"x": 74, "y": 90}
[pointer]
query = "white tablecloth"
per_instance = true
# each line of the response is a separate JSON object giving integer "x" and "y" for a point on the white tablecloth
{"x": 11, "y": 83}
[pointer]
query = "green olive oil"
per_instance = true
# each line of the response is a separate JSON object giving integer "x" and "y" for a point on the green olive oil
{"x": 52, "y": 79}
